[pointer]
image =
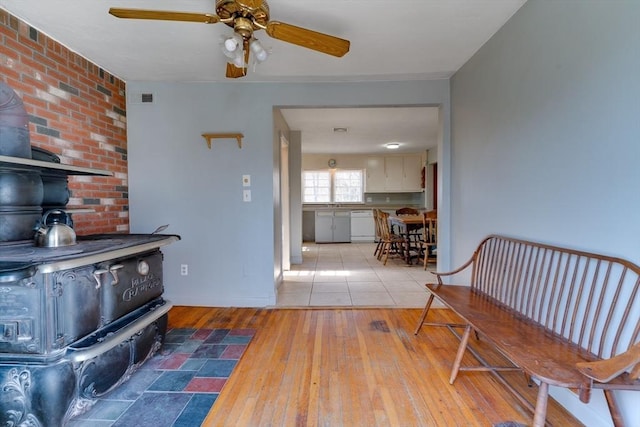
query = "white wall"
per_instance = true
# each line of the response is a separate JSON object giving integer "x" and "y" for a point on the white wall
{"x": 229, "y": 245}
{"x": 546, "y": 140}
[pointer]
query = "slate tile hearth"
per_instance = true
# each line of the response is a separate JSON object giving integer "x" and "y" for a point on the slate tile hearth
{"x": 175, "y": 388}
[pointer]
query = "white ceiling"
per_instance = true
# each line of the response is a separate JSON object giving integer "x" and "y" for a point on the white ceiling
{"x": 390, "y": 40}
{"x": 368, "y": 129}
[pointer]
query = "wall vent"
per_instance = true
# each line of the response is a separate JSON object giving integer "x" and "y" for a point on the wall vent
{"x": 141, "y": 98}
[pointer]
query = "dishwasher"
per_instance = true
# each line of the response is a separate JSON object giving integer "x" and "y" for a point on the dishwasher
{"x": 362, "y": 226}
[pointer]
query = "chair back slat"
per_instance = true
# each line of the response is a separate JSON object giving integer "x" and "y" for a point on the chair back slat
{"x": 385, "y": 230}
{"x": 590, "y": 299}
{"x": 407, "y": 211}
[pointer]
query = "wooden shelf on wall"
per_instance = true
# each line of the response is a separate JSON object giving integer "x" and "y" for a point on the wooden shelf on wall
{"x": 209, "y": 136}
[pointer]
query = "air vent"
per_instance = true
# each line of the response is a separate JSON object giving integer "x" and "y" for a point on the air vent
{"x": 141, "y": 98}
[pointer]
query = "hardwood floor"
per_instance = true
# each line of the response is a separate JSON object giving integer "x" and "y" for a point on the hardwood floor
{"x": 356, "y": 367}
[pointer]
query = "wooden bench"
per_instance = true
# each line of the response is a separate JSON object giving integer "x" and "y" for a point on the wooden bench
{"x": 564, "y": 317}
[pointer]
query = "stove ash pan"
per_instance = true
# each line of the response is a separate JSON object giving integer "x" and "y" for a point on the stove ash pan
{"x": 44, "y": 313}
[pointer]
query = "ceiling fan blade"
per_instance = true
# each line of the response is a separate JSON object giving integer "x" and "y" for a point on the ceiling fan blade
{"x": 307, "y": 38}
{"x": 164, "y": 15}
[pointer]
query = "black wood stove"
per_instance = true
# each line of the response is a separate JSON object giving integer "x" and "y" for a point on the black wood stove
{"x": 75, "y": 322}
{"x": 78, "y": 319}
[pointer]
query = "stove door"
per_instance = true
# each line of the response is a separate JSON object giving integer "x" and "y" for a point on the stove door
{"x": 77, "y": 308}
{"x": 130, "y": 283}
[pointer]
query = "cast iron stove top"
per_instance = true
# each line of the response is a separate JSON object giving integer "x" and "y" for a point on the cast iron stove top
{"x": 88, "y": 250}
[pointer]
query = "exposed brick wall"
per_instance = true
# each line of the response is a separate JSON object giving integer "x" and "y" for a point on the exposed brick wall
{"x": 76, "y": 110}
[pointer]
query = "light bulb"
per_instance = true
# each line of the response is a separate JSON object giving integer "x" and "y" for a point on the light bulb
{"x": 231, "y": 44}
{"x": 258, "y": 51}
{"x": 261, "y": 56}
{"x": 238, "y": 61}
{"x": 256, "y": 46}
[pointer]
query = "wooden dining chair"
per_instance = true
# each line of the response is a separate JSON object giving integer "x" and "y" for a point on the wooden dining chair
{"x": 415, "y": 234}
{"x": 378, "y": 238}
{"x": 429, "y": 240}
{"x": 390, "y": 241}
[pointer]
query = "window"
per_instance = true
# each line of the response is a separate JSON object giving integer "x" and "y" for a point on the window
{"x": 316, "y": 186}
{"x": 332, "y": 186}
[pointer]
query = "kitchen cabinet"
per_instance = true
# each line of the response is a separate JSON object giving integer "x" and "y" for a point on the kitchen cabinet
{"x": 308, "y": 226}
{"x": 412, "y": 173}
{"x": 388, "y": 174}
{"x": 375, "y": 175}
{"x": 333, "y": 227}
{"x": 394, "y": 169}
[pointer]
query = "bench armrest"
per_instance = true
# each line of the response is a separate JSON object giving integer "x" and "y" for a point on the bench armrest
{"x": 439, "y": 274}
{"x": 605, "y": 370}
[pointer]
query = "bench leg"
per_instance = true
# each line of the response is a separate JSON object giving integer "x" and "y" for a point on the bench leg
{"x": 613, "y": 409}
{"x": 424, "y": 314}
{"x": 461, "y": 349}
{"x": 541, "y": 405}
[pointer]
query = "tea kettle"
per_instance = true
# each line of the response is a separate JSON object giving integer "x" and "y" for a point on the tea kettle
{"x": 55, "y": 234}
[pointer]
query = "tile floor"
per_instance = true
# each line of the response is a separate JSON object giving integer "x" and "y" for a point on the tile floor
{"x": 347, "y": 274}
{"x": 176, "y": 387}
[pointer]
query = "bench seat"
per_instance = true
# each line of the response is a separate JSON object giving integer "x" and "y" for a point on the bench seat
{"x": 538, "y": 352}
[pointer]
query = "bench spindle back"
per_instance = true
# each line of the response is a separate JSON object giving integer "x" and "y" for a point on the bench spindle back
{"x": 592, "y": 300}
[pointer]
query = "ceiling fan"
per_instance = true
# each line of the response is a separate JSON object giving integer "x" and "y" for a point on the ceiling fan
{"x": 245, "y": 17}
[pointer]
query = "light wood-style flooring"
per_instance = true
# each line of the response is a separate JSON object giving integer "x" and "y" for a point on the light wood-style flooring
{"x": 356, "y": 367}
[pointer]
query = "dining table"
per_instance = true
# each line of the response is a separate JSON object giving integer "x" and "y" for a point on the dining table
{"x": 405, "y": 224}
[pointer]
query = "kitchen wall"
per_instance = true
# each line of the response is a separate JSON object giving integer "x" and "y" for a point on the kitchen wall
{"x": 76, "y": 110}
{"x": 175, "y": 179}
{"x": 546, "y": 141}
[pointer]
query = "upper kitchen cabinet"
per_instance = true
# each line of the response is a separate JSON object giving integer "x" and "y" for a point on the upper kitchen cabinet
{"x": 375, "y": 177}
{"x": 387, "y": 174}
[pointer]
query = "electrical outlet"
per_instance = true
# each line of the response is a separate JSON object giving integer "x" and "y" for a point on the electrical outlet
{"x": 246, "y": 195}
{"x": 184, "y": 269}
{"x": 246, "y": 180}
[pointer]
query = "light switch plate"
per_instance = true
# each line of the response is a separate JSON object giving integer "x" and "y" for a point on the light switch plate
{"x": 246, "y": 195}
{"x": 246, "y": 180}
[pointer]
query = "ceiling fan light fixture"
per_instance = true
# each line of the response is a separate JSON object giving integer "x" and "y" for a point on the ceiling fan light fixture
{"x": 230, "y": 46}
{"x": 231, "y": 43}
{"x": 258, "y": 51}
{"x": 238, "y": 60}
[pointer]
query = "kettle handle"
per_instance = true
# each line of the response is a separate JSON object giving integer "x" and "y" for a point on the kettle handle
{"x": 56, "y": 211}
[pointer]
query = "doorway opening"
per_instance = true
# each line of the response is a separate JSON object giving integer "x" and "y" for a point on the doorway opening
{"x": 349, "y": 138}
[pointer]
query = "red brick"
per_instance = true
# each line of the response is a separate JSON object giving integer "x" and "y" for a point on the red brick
{"x": 8, "y": 32}
{"x": 75, "y": 118}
